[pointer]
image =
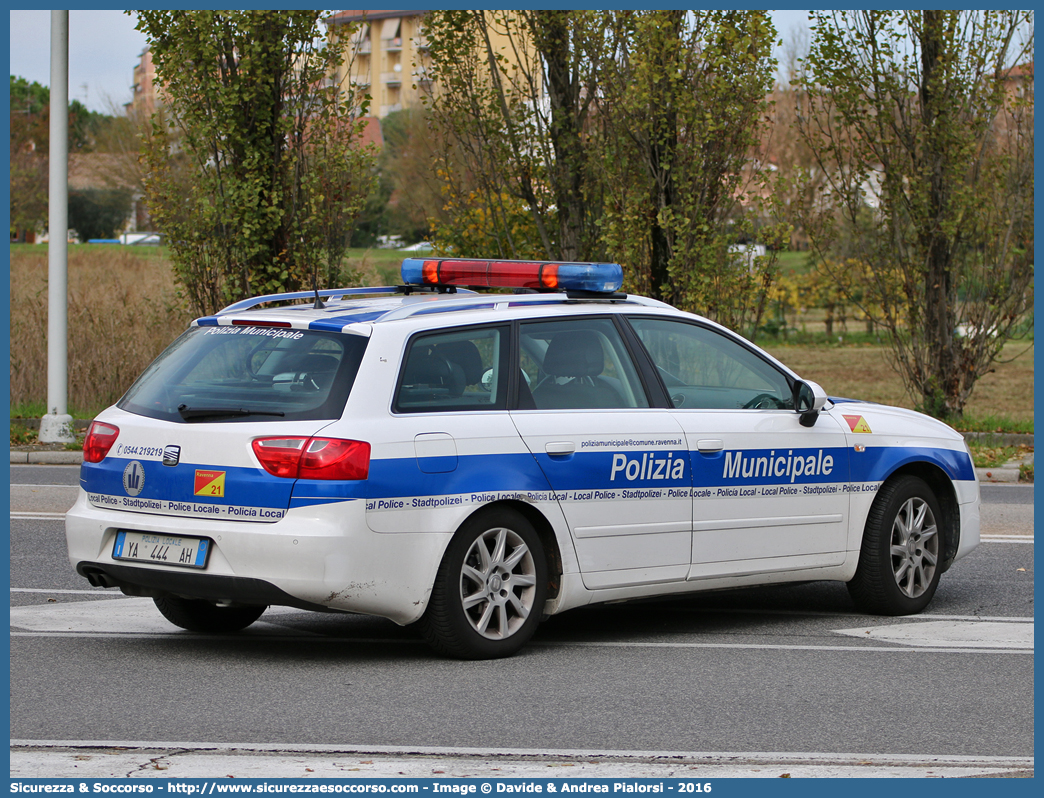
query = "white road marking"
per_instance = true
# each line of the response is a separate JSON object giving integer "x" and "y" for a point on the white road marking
{"x": 42, "y": 485}
{"x": 99, "y": 759}
{"x": 111, "y": 591}
{"x": 125, "y": 616}
{"x": 38, "y": 516}
{"x": 958, "y": 634}
{"x": 138, "y": 618}
{"x": 1006, "y": 539}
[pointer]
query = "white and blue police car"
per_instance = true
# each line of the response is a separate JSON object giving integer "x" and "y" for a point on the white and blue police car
{"x": 473, "y": 462}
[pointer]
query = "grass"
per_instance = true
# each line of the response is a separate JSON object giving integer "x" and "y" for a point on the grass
{"x": 376, "y": 266}
{"x": 865, "y": 372}
{"x": 21, "y": 436}
{"x": 123, "y": 311}
{"x": 38, "y": 408}
{"x": 794, "y": 262}
{"x": 993, "y": 423}
{"x": 995, "y": 456}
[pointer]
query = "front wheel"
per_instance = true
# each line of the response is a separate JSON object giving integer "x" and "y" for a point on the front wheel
{"x": 898, "y": 569}
{"x": 489, "y": 593}
{"x": 198, "y": 615}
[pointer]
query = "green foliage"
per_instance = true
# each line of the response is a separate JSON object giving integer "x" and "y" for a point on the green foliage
{"x": 623, "y": 135}
{"x": 255, "y": 168}
{"x": 988, "y": 455}
{"x": 992, "y": 423}
{"x": 98, "y": 213}
{"x": 30, "y": 118}
{"x": 682, "y": 107}
{"x": 511, "y": 115}
{"x": 89, "y": 131}
{"x": 28, "y": 97}
{"x": 482, "y": 223}
{"x": 405, "y": 167}
{"x": 23, "y": 436}
{"x": 926, "y": 148}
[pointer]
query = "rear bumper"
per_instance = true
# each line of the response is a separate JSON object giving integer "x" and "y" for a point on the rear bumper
{"x": 318, "y": 557}
{"x": 152, "y": 582}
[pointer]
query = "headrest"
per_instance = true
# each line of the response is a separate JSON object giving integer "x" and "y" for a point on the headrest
{"x": 577, "y": 353}
{"x": 466, "y": 355}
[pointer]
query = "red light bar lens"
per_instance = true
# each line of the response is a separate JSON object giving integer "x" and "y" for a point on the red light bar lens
{"x": 247, "y": 323}
{"x": 490, "y": 273}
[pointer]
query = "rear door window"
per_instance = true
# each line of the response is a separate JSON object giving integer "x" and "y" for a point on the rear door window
{"x": 578, "y": 364}
{"x": 462, "y": 369}
{"x": 248, "y": 373}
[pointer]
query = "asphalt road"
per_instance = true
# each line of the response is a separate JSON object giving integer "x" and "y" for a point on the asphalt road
{"x": 766, "y": 672}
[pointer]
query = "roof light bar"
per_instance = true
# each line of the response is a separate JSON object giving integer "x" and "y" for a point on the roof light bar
{"x": 602, "y": 278}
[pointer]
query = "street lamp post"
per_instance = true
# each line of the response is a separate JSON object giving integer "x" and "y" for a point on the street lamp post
{"x": 56, "y": 425}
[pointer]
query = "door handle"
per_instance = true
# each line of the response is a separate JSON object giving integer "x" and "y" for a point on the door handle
{"x": 560, "y": 447}
{"x": 710, "y": 446}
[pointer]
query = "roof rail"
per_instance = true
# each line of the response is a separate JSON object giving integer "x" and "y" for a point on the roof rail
{"x": 330, "y": 293}
{"x": 482, "y": 301}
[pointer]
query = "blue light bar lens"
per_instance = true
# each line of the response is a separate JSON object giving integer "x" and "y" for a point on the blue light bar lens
{"x": 603, "y": 278}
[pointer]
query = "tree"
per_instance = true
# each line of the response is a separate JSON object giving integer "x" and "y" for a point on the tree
{"x": 30, "y": 123}
{"x": 415, "y": 200}
{"x": 89, "y": 132}
{"x": 927, "y": 145}
{"x": 98, "y": 212}
{"x": 515, "y": 93}
{"x": 255, "y": 168}
{"x": 627, "y": 135}
{"x": 683, "y": 100}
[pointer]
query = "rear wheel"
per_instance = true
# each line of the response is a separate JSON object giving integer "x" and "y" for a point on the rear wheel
{"x": 899, "y": 561}
{"x": 198, "y": 615}
{"x": 489, "y": 593}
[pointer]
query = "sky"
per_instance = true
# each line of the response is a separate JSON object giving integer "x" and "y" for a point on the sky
{"x": 104, "y": 47}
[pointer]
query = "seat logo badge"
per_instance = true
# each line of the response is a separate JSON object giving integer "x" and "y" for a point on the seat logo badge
{"x": 209, "y": 483}
{"x": 171, "y": 455}
{"x": 133, "y": 478}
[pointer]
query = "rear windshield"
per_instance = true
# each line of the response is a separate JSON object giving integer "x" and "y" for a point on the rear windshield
{"x": 245, "y": 373}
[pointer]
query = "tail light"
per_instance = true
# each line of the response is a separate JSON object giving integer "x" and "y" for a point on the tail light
{"x": 313, "y": 458}
{"x": 100, "y": 438}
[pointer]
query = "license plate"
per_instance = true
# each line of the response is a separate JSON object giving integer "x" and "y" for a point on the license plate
{"x": 161, "y": 549}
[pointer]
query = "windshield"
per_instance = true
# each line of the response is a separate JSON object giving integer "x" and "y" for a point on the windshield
{"x": 247, "y": 373}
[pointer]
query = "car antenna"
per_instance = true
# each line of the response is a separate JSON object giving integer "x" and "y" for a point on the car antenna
{"x": 315, "y": 287}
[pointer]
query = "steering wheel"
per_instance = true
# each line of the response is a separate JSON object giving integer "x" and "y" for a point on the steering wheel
{"x": 763, "y": 401}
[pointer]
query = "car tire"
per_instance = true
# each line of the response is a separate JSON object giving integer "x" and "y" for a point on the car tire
{"x": 198, "y": 615}
{"x": 488, "y": 596}
{"x": 901, "y": 556}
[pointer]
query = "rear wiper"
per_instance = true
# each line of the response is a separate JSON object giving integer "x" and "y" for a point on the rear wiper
{"x": 197, "y": 413}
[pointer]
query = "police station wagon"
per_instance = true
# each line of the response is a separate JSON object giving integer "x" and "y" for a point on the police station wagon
{"x": 473, "y": 462}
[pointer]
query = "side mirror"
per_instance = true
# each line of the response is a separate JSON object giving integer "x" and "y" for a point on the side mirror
{"x": 809, "y": 399}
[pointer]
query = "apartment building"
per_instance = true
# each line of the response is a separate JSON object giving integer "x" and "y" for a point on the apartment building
{"x": 388, "y": 57}
{"x": 145, "y": 89}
